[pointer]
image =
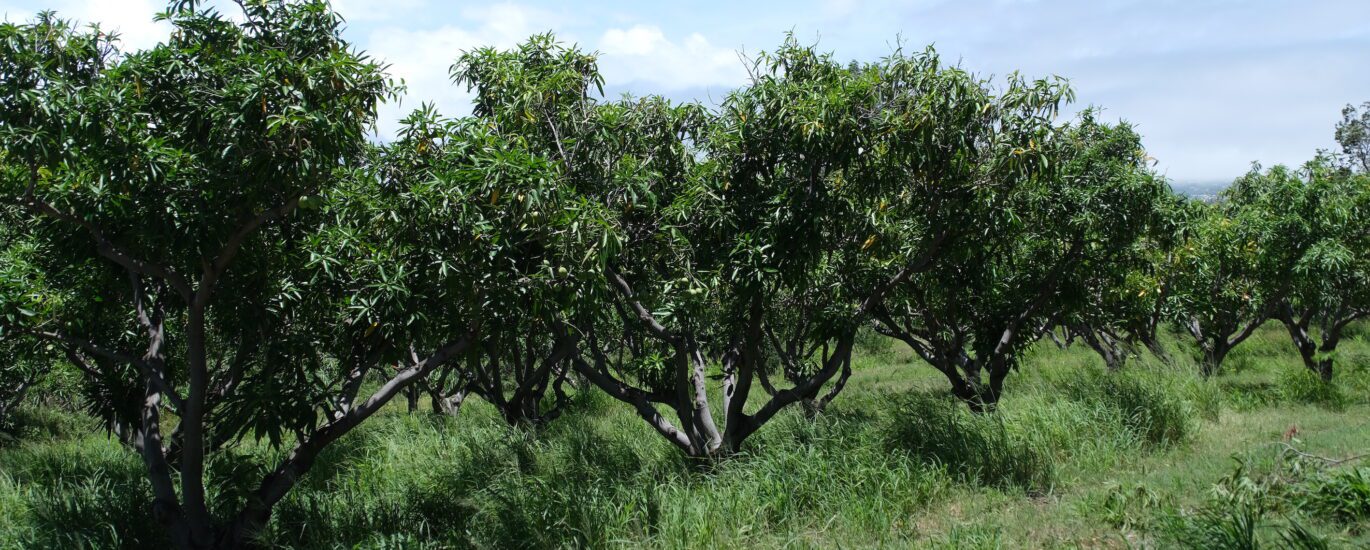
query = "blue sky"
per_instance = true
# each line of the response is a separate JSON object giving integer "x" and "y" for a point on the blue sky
{"x": 1212, "y": 84}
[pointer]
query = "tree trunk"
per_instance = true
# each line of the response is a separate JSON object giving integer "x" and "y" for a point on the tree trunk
{"x": 411, "y": 397}
{"x": 192, "y": 428}
{"x": 1112, "y": 350}
{"x": 810, "y": 404}
{"x": 1153, "y": 344}
{"x": 448, "y": 405}
{"x": 642, "y": 401}
{"x": 1214, "y": 354}
{"x": 260, "y": 503}
{"x": 817, "y": 406}
{"x": 7, "y": 407}
{"x": 1051, "y": 333}
{"x": 1317, "y": 359}
{"x": 741, "y": 425}
{"x": 1324, "y": 370}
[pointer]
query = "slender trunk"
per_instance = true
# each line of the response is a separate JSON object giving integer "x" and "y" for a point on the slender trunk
{"x": 736, "y": 421}
{"x": 125, "y": 432}
{"x": 411, "y": 397}
{"x": 1303, "y": 342}
{"x": 1214, "y": 354}
{"x": 1051, "y": 333}
{"x": 952, "y": 366}
{"x": 1316, "y": 358}
{"x": 448, "y": 405}
{"x": 999, "y": 369}
{"x": 641, "y": 401}
{"x": 7, "y": 407}
{"x": 1153, "y": 344}
{"x": 452, "y": 405}
{"x": 817, "y": 406}
{"x": 166, "y": 507}
{"x": 969, "y": 385}
{"x": 708, "y": 439}
{"x": 1330, "y": 337}
{"x": 810, "y": 405}
{"x": 1110, "y": 349}
{"x": 526, "y": 404}
{"x": 840, "y": 357}
{"x": 192, "y": 432}
{"x": 1324, "y": 370}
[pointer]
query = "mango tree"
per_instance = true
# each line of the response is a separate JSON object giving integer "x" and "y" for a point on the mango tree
{"x": 1127, "y": 307}
{"x": 1042, "y": 251}
{"x": 1331, "y": 276}
{"x": 1319, "y": 239}
{"x": 20, "y": 298}
{"x": 805, "y": 209}
{"x": 1353, "y": 136}
{"x": 184, "y": 169}
{"x": 483, "y": 220}
{"x": 534, "y": 99}
{"x": 650, "y": 334}
{"x": 630, "y": 168}
{"x": 1219, "y": 295}
{"x": 23, "y": 361}
{"x": 840, "y": 184}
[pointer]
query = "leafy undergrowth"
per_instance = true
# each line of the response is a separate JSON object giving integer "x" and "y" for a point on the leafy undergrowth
{"x": 1076, "y": 456}
{"x": 1274, "y": 506}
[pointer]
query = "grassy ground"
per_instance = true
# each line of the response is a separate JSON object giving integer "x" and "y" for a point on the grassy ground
{"x": 1154, "y": 457}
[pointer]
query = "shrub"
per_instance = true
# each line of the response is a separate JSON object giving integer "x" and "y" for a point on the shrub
{"x": 1340, "y": 496}
{"x": 972, "y": 447}
{"x": 1299, "y": 385}
{"x": 1215, "y": 528}
{"x": 1129, "y": 506}
{"x": 1152, "y": 406}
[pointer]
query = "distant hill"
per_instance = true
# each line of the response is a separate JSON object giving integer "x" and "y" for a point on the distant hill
{"x": 1200, "y": 189}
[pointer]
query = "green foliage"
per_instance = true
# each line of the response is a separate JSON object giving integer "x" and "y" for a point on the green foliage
{"x": 1304, "y": 262}
{"x": 1217, "y": 284}
{"x": 1233, "y": 529}
{"x": 1057, "y": 246}
{"x": 76, "y": 493}
{"x": 1127, "y": 507}
{"x": 1238, "y": 513}
{"x": 1353, "y": 134}
{"x": 592, "y": 480}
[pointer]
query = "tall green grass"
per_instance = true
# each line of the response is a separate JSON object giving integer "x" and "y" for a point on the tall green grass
{"x": 889, "y": 455}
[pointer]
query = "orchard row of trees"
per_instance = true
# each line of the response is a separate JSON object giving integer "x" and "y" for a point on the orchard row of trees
{"x": 204, "y": 232}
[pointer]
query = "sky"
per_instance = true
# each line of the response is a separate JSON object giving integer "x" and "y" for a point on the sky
{"x": 1212, "y": 85}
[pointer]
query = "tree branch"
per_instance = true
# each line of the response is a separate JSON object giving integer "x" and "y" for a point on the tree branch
{"x": 643, "y": 315}
{"x": 106, "y": 247}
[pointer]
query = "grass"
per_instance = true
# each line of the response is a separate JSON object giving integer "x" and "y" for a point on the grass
{"x": 1077, "y": 457}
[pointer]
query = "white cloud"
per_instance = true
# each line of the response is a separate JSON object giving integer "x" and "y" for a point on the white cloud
{"x": 422, "y": 57}
{"x": 640, "y": 56}
{"x": 643, "y": 54}
{"x": 131, "y": 19}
